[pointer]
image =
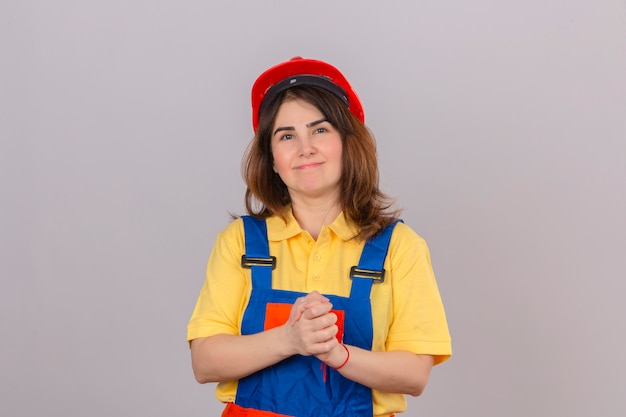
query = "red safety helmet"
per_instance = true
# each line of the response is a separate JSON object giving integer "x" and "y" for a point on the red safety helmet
{"x": 301, "y": 71}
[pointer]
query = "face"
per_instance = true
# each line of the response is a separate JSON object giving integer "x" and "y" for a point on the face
{"x": 307, "y": 151}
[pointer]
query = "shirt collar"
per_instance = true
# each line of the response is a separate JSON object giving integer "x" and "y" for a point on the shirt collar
{"x": 278, "y": 229}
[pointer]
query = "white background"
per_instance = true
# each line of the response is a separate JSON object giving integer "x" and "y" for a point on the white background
{"x": 501, "y": 128}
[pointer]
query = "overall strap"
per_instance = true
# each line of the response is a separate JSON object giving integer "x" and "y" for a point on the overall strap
{"x": 257, "y": 257}
{"x": 370, "y": 268}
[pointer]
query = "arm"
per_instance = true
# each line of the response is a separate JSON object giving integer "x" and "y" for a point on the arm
{"x": 310, "y": 330}
{"x": 417, "y": 324}
{"x": 396, "y": 371}
{"x": 226, "y": 357}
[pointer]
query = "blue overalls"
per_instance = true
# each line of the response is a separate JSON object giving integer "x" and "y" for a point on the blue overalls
{"x": 303, "y": 386}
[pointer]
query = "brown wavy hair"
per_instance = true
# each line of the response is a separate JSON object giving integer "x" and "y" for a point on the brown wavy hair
{"x": 361, "y": 200}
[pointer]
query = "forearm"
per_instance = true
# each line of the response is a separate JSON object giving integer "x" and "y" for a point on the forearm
{"x": 397, "y": 371}
{"x": 225, "y": 357}
{"x": 310, "y": 330}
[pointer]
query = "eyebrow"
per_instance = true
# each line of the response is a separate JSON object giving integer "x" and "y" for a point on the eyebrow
{"x": 315, "y": 123}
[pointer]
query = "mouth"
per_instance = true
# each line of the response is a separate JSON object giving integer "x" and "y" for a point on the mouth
{"x": 309, "y": 165}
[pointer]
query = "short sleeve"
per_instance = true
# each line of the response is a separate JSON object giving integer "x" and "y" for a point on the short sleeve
{"x": 419, "y": 322}
{"x": 221, "y": 301}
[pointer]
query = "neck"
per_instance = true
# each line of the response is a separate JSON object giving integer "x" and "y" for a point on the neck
{"x": 313, "y": 216}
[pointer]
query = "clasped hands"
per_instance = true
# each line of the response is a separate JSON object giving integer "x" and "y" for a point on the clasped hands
{"x": 312, "y": 329}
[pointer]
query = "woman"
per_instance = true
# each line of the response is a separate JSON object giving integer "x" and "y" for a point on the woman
{"x": 320, "y": 302}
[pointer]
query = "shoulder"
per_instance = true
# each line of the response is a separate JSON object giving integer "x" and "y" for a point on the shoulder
{"x": 404, "y": 234}
{"x": 406, "y": 243}
{"x": 232, "y": 229}
{"x": 231, "y": 237}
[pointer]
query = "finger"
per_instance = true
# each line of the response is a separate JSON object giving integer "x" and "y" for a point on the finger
{"x": 315, "y": 295}
{"x": 316, "y": 310}
{"x": 323, "y": 339}
{"x": 311, "y": 300}
{"x": 299, "y": 306}
{"x": 312, "y": 309}
{"x": 296, "y": 314}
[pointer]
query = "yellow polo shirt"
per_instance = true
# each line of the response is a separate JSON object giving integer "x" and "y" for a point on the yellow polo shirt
{"x": 407, "y": 310}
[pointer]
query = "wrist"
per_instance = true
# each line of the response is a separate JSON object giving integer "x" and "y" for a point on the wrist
{"x": 346, "y": 357}
{"x": 284, "y": 340}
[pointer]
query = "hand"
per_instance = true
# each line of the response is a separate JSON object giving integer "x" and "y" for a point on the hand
{"x": 335, "y": 357}
{"x": 304, "y": 303}
{"x": 311, "y": 327}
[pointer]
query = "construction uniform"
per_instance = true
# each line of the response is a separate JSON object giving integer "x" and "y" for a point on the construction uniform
{"x": 400, "y": 311}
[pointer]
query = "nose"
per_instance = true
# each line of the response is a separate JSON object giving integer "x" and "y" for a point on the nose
{"x": 307, "y": 147}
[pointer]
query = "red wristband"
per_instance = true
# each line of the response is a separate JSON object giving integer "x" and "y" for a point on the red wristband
{"x": 346, "y": 361}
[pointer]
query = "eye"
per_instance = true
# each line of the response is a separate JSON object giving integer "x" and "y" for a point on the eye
{"x": 286, "y": 136}
{"x": 321, "y": 130}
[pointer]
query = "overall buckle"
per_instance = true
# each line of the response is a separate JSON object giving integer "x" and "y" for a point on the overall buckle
{"x": 376, "y": 276}
{"x": 249, "y": 262}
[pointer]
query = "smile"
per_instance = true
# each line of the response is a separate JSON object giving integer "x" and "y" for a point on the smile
{"x": 309, "y": 166}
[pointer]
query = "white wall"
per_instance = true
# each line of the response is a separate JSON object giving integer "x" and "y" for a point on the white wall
{"x": 502, "y": 132}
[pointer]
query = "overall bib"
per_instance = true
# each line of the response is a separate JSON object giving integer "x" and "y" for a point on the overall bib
{"x": 303, "y": 386}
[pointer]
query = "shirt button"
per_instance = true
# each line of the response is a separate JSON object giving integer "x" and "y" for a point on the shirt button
{"x": 317, "y": 257}
{"x": 316, "y": 277}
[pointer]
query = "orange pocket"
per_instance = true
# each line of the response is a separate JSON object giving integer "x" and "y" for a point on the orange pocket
{"x": 234, "y": 410}
{"x": 340, "y": 319}
{"x": 277, "y": 314}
